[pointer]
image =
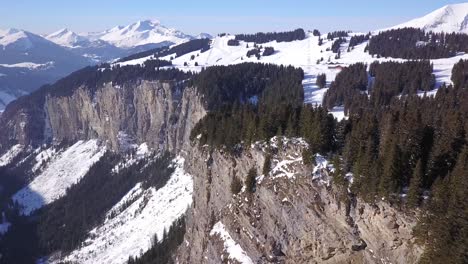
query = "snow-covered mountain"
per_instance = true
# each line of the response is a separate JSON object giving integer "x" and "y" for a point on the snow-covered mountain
{"x": 143, "y": 32}
{"x": 450, "y": 18}
{"x": 204, "y": 36}
{"x": 67, "y": 38}
{"x": 28, "y": 61}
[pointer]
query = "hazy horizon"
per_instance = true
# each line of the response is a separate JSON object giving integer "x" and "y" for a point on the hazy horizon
{"x": 213, "y": 17}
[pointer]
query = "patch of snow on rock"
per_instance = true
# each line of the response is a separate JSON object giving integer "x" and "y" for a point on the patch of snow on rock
{"x": 12, "y": 153}
{"x": 231, "y": 247}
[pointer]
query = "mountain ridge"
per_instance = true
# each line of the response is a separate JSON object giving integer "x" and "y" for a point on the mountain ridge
{"x": 449, "y": 18}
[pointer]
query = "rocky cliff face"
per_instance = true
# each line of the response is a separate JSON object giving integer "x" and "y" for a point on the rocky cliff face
{"x": 160, "y": 114}
{"x": 292, "y": 217}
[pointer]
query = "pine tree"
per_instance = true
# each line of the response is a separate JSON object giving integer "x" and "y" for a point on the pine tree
{"x": 321, "y": 80}
{"x": 338, "y": 174}
{"x": 267, "y": 165}
{"x": 250, "y": 181}
{"x": 391, "y": 171}
{"x": 415, "y": 187}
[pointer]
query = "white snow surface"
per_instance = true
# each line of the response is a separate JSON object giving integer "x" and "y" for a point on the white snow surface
{"x": 301, "y": 53}
{"x": 16, "y": 37}
{"x": 321, "y": 169}
{"x": 66, "y": 38}
{"x": 29, "y": 65}
{"x": 143, "y": 32}
{"x": 130, "y": 231}
{"x": 8, "y": 157}
{"x": 231, "y": 247}
{"x": 65, "y": 169}
{"x": 450, "y": 18}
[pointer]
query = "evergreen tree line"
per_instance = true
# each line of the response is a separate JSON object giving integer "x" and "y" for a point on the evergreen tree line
{"x": 254, "y": 52}
{"x": 394, "y": 78}
{"x": 444, "y": 225}
{"x": 460, "y": 74}
{"x": 412, "y": 43}
{"x": 228, "y": 85}
{"x": 321, "y": 80}
{"x": 412, "y": 150}
{"x": 268, "y": 51}
{"x": 387, "y": 80}
{"x": 260, "y": 38}
{"x": 337, "y": 44}
{"x": 337, "y": 34}
{"x": 162, "y": 250}
{"x": 181, "y": 49}
{"x": 348, "y": 87}
{"x": 412, "y": 137}
{"x": 278, "y": 109}
{"x": 233, "y": 42}
{"x": 239, "y": 126}
{"x": 416, "y": 146}
{"x": 358, "y": 39}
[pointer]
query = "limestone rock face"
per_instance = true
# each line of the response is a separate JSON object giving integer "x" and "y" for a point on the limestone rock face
{"x": 160, "y": 114}
{"x": 292, "y": 217}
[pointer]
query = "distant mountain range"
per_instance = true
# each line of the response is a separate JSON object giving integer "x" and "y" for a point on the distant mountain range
{"x": 28, "y": 60}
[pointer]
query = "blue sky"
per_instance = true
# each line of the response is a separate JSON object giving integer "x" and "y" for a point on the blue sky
{"x": 213, "y": 16}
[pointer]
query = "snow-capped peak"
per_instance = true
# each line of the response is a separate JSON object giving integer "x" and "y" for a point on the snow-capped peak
{"x": 204, "y": 36}
{"x": 450, "y": 18}
{"x": 8, "y": 31}
{"x": 143, "y": 32}
{"x": 18, "y": 39}
{"x": 65, "y": 37}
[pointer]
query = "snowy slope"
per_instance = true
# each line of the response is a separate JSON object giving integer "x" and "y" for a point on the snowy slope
{"x": 62, "y": 171}
{"x": 27, "y": 61}
{"x": 129, "y": 232}
{"x": 67, "y": 38}
{"x": 12, "y": 153}
{"x": 450, "y": 18}
{"x": 303, "y": 54}
{"x": 143, "y": 32}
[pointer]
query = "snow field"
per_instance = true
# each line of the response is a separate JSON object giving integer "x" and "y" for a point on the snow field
{"x": 65, "y": 169}
{"x": 130, "y": 231}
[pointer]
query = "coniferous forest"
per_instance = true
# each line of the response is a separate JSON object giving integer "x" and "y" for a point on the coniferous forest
{"x": 260, "y": 38}
{"x": 411, "y": 150}
{"x": 412, "y": 43}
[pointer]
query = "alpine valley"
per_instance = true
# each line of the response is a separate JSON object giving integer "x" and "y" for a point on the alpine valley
{"x": 142, "y": 144}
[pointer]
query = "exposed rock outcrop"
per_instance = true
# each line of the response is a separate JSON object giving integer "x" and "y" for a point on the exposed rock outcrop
{"x": 291, "y": 218}
{"x": 161, "y": 114}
